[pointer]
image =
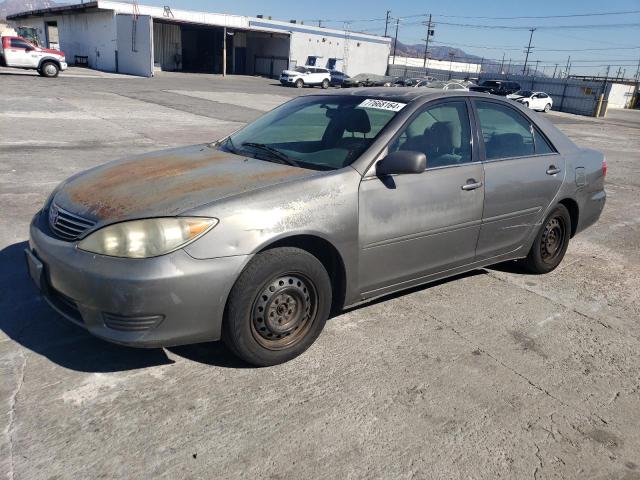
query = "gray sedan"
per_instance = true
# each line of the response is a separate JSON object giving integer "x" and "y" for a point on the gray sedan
{"x": 327, "y": 201}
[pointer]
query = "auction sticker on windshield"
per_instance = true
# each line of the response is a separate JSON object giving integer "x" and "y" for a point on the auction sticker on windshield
{"x": 382, "y": 105}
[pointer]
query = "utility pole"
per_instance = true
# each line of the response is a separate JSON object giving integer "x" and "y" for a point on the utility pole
{"x": 509, "y": 67}
{"x": 618, "y": 74}
{"x": 528, "y": 50}
{"x": 536, "y": 70}
{"x": 395, "y": 42}
{"x": 386, "y": 23}
{"x": 426, "y": 42}
{"x": 606, "y": 75}
{"x": 554, "y": 70}
{"x": 566, "y": 72}
{"x": 319, "y": 23}
{"x": 502, "y": 64}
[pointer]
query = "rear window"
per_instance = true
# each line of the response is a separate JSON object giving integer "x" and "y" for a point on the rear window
{"x": 505, "y": 131}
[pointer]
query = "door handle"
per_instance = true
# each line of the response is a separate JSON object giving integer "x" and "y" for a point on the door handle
{"x": 471, "y": 184}
{"x": 552, "y": 170}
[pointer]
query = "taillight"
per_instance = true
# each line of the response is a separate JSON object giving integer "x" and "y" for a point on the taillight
{"x": 604, "y": 167}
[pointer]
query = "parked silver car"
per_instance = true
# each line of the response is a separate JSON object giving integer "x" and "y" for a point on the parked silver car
{"x": 325, "y": 202}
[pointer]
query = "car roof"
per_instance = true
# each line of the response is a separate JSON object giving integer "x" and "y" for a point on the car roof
{"x": 406, "y": 94}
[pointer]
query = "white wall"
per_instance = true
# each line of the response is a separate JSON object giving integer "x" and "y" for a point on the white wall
{"x": 92, "y": 35}
{"x": 361, "y": 56}
{"x": 135, "y": 59}
{"x": 620, "y": 95}
{"x": 436, "y": 64}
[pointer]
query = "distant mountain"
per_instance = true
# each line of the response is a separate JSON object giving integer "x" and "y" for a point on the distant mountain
{"x": 9, "y": 7}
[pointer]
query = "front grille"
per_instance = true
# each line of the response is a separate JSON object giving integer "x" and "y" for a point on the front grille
{"x": 67, "y": 225}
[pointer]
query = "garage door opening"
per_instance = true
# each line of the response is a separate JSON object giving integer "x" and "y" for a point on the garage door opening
{"x": 200, "y": 49}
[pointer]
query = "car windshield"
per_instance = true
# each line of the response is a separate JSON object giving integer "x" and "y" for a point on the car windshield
{"x": 300, "y": 69}
{"x": 437, "y": 85}
{"x": 524, "y": 93}
{"x": 319, "y": 132}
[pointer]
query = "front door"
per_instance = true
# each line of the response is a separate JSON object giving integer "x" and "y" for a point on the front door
{"x": 523, "y": 174}
{"x": 18, "y": 53}
{"x": 412, "y": 226}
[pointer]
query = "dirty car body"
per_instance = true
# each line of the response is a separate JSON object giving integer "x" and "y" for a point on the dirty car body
{"x": 375, "y": 227}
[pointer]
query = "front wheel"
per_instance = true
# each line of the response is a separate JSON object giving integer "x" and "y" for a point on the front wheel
{"x": 325, "y": 84}
{"x": 547, "y": 107}
{"x": 49, "y": 69}
{"x": 299, "y": 83}
{"x": 551, "y": 242}
{"x": 277, "y": 307}
{"x": 526, "y": 104}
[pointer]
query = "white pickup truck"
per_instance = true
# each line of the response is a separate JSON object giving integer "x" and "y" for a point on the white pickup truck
{"x": 20, "y": 53}
{"x": 307, "y": 75}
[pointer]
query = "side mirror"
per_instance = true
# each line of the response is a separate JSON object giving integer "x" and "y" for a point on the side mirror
{"x": 402, "y": 161}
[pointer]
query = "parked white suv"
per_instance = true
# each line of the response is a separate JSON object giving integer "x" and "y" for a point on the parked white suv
{"x": 20, "y": 53}
{"x": 307, "y": 75}
{"x": 539, "y": 101}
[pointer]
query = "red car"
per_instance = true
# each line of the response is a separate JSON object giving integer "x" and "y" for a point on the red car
{"x": 20, "y": 53}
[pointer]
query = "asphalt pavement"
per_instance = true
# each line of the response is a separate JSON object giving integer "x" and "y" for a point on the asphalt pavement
{"x": 493, "y": 374}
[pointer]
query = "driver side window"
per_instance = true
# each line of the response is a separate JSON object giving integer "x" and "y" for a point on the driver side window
{"x": 441, "y": 132}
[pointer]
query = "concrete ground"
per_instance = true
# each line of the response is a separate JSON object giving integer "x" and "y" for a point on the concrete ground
{"x": 494, "y": 374}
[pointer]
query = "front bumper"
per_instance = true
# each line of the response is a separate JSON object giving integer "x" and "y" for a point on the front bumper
{"x": 63, "y": 66}
{"x": 169, "y": 300}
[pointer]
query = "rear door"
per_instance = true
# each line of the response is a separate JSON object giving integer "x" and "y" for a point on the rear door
{"x": 415, "y": 225}
{"x": 523, "y": 174}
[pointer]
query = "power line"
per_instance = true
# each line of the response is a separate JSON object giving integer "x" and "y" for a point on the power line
{"x": 595, "y": 14}
{"x": 520, "y": 17}
{"x": 541, "y": 27}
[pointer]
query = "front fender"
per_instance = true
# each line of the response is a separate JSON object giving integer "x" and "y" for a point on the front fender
{"x": 324, "y": 206}
{"x": 49, "y": 59}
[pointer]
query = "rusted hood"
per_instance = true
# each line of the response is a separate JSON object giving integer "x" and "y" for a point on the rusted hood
{"x": 167, "y": 183}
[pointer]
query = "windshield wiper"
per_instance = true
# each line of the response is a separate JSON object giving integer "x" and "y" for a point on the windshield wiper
{"x": 273, "y": 151}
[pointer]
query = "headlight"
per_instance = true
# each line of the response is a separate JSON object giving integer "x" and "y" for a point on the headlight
{"x": 146, "y": 238}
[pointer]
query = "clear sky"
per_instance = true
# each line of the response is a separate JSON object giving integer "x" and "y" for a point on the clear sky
{"x": 617, "y": 45}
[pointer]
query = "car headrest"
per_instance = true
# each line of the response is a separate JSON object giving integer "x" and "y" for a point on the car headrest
{"x": 505, "y": 144}
{"x": 357, "y": 121}
{"x": 443, "y": 135}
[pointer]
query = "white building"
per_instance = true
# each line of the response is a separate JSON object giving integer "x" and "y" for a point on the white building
{"x": 450, "y": 65}
{"x": 127, "y": 38}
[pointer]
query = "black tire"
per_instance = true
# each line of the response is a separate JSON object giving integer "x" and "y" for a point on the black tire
{"x": 551, "y": 242}
{"x": 526, "y": 104}
{"x": 299, "y": 83}
{"x": 325, "y": 84}
{"x": 277, "y": 307}
{"x": 547, "y": 107}
{"x": 40, "y": 72}
{"x": 49, "y": 69}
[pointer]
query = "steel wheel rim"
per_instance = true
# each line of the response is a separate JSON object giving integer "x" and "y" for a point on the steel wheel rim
{"x": 553, "y": 239}
{"x": 49, "y": 69}
{"x": 284, "y": 311}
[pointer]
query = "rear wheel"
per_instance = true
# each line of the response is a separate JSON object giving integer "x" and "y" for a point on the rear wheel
{"x": 325, "y": 84}
{"x": 299, "y": 83}
{"x": 526, "y": 104}
{"x": 278, "y": 306}
{"x": 551, "y": 243}
{"x": 49, "y": 69}
{"x": 547, "y": 107}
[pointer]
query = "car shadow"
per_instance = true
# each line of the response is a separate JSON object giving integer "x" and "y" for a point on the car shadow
{"x": 28, "y": 320}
